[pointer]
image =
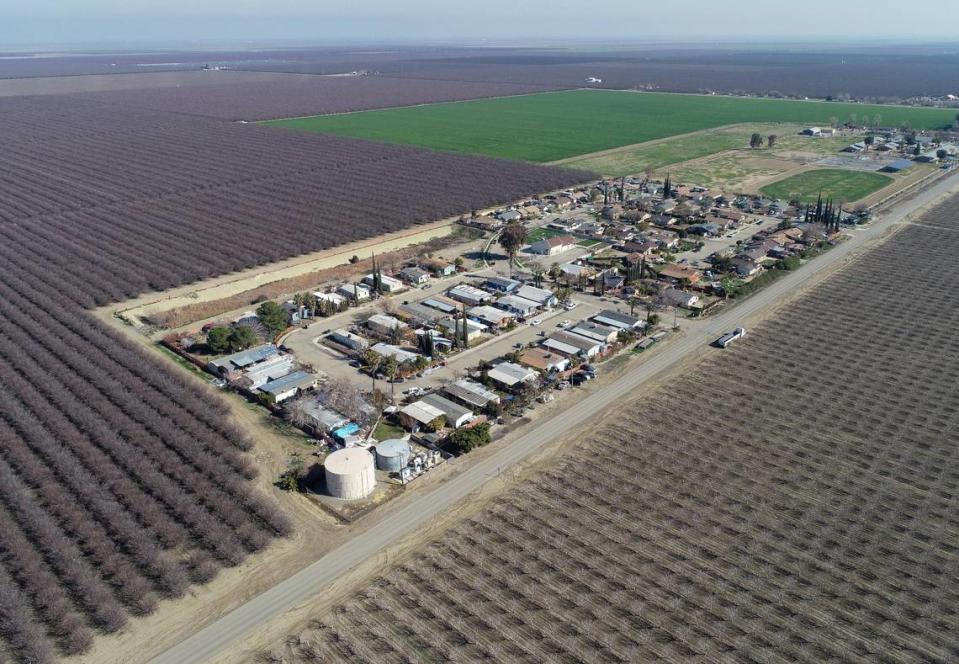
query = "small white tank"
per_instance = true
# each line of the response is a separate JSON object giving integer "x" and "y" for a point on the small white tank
{"x": 349, "y": 473}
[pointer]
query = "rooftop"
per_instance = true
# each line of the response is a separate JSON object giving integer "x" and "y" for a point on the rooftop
{"x": 297, "y": 379}
{"x": 246, "y": 357}
{"x": 471, "y": 392}
{"x": 510, "y": 374}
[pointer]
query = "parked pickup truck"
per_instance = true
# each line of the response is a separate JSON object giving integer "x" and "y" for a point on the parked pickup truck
{"x": 729, "y": 337}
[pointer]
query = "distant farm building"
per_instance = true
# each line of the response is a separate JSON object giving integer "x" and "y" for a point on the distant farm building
{"x": 898, "y": 166}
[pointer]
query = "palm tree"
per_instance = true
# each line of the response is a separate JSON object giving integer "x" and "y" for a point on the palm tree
{"x": 372, "y": 360}
{"x": 390, "y": 368}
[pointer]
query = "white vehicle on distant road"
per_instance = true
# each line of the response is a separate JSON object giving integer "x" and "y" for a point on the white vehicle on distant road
{"x": 569, "y": 306}
{"x": 535, "y": 321}
{"x": 729, "y": 337}
{"x": 564, "y": 323}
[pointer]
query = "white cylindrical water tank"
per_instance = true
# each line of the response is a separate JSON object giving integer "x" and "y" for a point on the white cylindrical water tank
{"x": 349, "y": 473}
{"x": 392, "y": 455}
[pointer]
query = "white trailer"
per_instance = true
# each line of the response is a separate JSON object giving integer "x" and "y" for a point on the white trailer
{"x": 729, "y": 337}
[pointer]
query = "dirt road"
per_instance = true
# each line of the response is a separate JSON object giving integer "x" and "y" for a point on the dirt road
{"x": 320, "y": 576}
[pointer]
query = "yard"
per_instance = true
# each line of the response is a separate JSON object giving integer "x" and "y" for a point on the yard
{"x": 385, "y": 430}
{"x": 839, "y": 185}
{"x": 558, "y": 125}
{"x": 542, "y": 233}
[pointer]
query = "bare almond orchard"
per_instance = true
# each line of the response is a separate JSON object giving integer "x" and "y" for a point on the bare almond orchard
{"x": 791, "y": 499}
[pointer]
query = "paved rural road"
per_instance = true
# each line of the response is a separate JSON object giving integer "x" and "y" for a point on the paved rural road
{"x": 232, "y": 627}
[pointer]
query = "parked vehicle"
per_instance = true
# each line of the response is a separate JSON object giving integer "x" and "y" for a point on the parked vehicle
{"x": 564, "y": 323}
{"x": 564, "y": 385}
{"x": 569, "y": 306}
{"x": 730, "y": 337}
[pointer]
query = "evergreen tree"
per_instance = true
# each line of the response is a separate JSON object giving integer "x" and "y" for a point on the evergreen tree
{"x": 377, "y": 280}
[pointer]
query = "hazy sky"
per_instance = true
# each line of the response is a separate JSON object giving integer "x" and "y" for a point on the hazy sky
{"x": 395, "y": 21}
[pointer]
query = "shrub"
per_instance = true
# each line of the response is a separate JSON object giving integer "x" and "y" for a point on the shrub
{"x": 467, "y": 439}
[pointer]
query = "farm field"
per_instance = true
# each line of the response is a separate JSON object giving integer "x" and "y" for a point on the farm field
{"x": 249, "y": 96}
{"x": 840, "y": 185}
{"x": 805, "y": 513}
{"x": 734, "y": 140}
{"x": 558, "y": 125}
{"x": 812, "y": 70}
{"x": 122, "y": 484}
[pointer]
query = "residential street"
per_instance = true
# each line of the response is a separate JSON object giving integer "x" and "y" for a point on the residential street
{"x": 229, "y": 629}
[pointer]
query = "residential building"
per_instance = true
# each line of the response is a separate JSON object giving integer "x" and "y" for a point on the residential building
{"x": 757, "y": 252}
{"x": 334, "y": 299}
{"x": 573, "y": 345}
{"x": 663, "y": 220}
{"x": 253, "y": 376}
{"x": 575, "y": 271}
{"x": 540, "y": 296}
{"x": 455, "y": 414}
{"x": 550, "y": 246}
{"x": 490, "y": 316}
{"x": 486, "y": 223}
{"x": 744, "y": 266}
{"x": 388, "y": 284}
{"x": 518, "y": 305}
{"x": 354, "y": 292}
{"x": 440, "y": 343}
{"x": 389, "y": 350}
{"x": 640, "y": 247}
{"x": 384, "y": 324}
{"x": 419, "y": 313}
{"x": 510, "y": 375}
{"x": 469, "y": 295}
{"x": 618, "y": 320}
{"x": 438, "y": 267}
{"x": 502, "y": 284}
{"x": 530, "y": 211}
{"x": 664, "y": 239}
{"x": 322, "y": 418}
{"x": 295, "y": 313}
{"x": 593, "y": 228}
{"x": 544, "y": 360}
{"x": 677, "y": 273}
{"x": 707, "y": 229}
{"x": 286, "y": 387}
{"x": 415, "y": 276}
{"x": 471, "y": 393}
{"x": 595, "y": 331}
{"x": 452, "y": 326}
{"x": 442, "y": 304}
{"x": 678, "y": 298}
{"x": 563, "y": 202}
{"x": 346, "y": 338}
{"x": 420, "y": 414}
{"x": 509, "y": 216}
{"x": 242, "y": 360}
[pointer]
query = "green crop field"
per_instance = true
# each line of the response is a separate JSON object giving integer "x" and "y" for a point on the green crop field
{"x": 559, "y": 125}
{"x": 840, "y": 185}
